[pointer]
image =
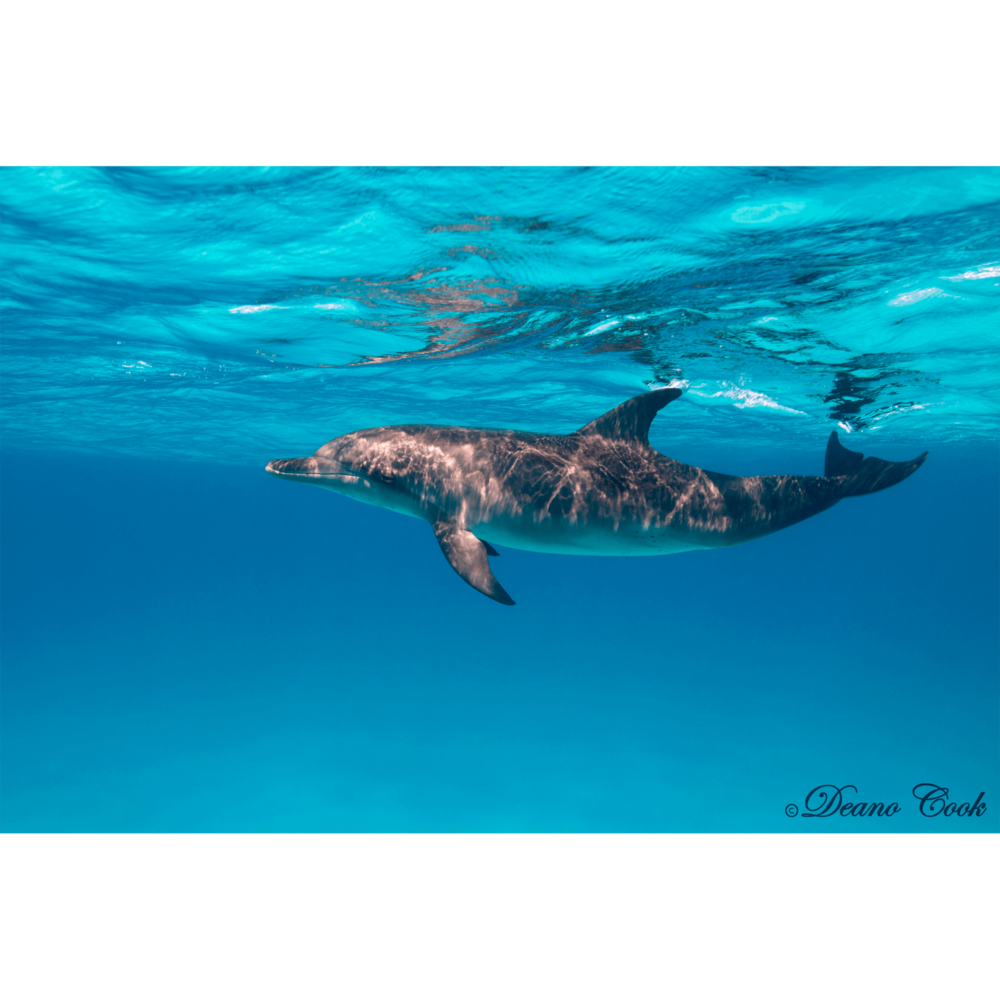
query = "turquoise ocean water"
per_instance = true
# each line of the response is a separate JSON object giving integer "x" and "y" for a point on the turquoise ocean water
{"x": 189, "y": 645}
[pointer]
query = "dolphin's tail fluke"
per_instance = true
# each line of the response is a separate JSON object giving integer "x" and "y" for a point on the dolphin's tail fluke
{"x": 862, "y": 475}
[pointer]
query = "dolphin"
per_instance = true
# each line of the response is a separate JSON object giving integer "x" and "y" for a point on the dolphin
{"x": 601, "y": 490}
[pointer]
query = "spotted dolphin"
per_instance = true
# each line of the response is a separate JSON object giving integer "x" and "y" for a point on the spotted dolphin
{"x": 601, "y": 490}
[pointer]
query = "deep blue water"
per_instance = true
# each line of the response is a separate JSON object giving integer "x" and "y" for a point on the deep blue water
{"x": 188, "y": 644}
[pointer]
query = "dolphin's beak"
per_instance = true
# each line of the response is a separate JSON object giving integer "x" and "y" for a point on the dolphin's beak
{"x": 307, "y": 470}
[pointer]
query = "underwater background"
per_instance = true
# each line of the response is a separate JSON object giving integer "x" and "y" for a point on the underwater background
{"x": 189, "y": 645}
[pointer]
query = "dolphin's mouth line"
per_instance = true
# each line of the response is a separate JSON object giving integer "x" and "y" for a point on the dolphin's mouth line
{"x": 311, "y": 475}
{"x": 306, "y": 474}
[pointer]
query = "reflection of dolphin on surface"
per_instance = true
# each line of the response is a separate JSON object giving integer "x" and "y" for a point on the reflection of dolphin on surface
{"x": 601, "y": 490}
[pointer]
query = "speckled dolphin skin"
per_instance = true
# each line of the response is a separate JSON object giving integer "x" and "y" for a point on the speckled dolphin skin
{"x": 601, "y": 490}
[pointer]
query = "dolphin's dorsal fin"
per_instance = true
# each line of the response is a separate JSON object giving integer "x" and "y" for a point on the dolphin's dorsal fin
{"x": 631, "y": 420}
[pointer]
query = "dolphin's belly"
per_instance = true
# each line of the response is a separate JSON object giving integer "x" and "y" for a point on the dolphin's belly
{"x": 598, "y": 539}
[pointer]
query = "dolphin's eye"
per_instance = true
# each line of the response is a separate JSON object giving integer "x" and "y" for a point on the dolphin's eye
{"x": 379, "y": 477}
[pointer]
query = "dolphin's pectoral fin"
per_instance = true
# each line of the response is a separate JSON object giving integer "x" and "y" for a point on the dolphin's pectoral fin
{"x": 490, "y": 551}
{"x": 631, "y": 420}
{"x": 468, "y": 558}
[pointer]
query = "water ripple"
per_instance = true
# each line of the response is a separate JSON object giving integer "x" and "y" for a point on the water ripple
{"x": 219, "y": 314}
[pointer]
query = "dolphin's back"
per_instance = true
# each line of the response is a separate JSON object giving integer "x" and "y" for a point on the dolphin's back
{"x": 580, "y": 492}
